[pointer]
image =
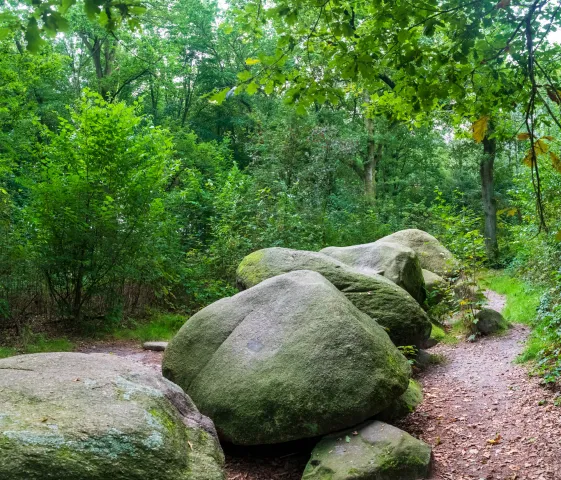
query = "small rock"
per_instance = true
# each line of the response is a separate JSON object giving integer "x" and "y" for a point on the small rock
{"x": 155, "y": 346}
{"x": 490, "y": 321}
{"x": 379, "y": 451}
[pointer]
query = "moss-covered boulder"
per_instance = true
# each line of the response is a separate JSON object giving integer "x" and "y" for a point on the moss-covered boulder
{"x": 392, "y": 260}
{"x": 489, "y": 321}
{"x": 433, "y": 256}
{"x": 380, "y": 298}
{"x": 403, "y": 405}
{"x": 435, "y": 286}
{"x": 287, "y": 359}
{"x": 72, "y": 416}
{"x": 373, "y": 451}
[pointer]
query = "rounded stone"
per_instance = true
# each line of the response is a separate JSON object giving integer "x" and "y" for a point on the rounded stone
{"x": 73, "y": 416}
{"x": 290, "y": 358}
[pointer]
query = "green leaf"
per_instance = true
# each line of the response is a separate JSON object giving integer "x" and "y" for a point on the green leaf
{"x": 252, "y": 88}
{"x": 220, "y": 96}
{"x": 33, "y": 36}
{"x": 244, "y": 75}
{"x": 65, "y": 5}
{"x": 269, "y": 88}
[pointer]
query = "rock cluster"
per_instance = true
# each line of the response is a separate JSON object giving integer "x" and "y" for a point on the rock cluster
{"x": 309, "y": 348}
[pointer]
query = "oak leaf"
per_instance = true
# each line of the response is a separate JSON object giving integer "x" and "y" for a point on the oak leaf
{"x": 480, "y": 129}
{"x": 555, "y": 161}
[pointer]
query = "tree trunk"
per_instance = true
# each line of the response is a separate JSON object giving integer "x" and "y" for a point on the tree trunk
{"x": 488, "y": 196}
{"x": 374, "y": 152}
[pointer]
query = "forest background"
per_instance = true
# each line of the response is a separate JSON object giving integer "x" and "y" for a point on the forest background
{"x": 145, "y": 149}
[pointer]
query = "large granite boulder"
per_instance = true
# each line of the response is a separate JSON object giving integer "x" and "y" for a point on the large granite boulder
{"x": 380, "y": 298}
{"x": 433, "y": 256}
{"x": 373, "y": 451}
{"x": 392, "y": 260}
{"x": 72, "y": 416}
{"x": 435, "y": 286}
{"x": 403, "y": 405}
{"x": 287, "y": 359}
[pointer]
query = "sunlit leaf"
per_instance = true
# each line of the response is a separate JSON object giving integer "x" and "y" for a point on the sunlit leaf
{"x": 252, "y": 88}
{"x": 252, "y": 61}
{"x": 480, "y": 129}
{"x": 220, "y": 96}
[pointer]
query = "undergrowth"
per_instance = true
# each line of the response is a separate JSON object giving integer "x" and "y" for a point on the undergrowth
{"x": 540, "y": 308}
{"x": 161, "y": 327}
{"x": 523, "y": 298}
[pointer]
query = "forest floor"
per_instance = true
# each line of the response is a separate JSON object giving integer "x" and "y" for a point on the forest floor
{"x": 483, "y": 415}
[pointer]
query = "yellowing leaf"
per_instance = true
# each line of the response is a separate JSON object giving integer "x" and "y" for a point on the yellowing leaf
{"x": 503, "y": 4}
{"x": 529, "y": 160}
{"x": 252, "y": 61}
{"x": 548, "y": 137}
{"x": 555, "y": 161}
{"x": 558, "y": 236}
{"x": 480, "y": 129}
{"x": 541, "y": 147}
{"x": 523, "y": 136}
{"x": 512, "y": 212}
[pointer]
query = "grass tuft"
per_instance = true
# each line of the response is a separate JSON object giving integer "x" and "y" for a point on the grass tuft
{"x": 162, "y": 327}
{"x": 523, "y": 298}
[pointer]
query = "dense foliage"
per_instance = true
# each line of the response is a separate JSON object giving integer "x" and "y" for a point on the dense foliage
{"x": 145, "y": 149}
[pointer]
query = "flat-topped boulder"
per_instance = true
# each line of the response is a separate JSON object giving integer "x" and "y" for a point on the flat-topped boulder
{"x": 394, "y": 261}
{"x": 74, "y": 416}
{"x": 373, "y": 451}
{"x": 391, "y": 306}
{"x": 287, "y": 359}
{"x": 155, "y": 346}
{"x": 433, "y": 256}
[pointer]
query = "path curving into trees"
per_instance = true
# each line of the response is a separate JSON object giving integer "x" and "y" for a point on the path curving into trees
{"x": 483, "y": 414}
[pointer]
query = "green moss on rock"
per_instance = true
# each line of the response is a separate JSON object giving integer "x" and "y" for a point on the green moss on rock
{"x": 381, "y": 299}
{"x": 373, "y": 451}
{"x": 290, "y": 358}
{"x": 404, "y": 405}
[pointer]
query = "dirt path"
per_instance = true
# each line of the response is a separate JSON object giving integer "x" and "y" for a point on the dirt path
{"x": 131, "y": 350}
{"x": 483, "y": 415}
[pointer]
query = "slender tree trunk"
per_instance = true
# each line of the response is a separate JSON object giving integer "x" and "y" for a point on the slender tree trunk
{"x": 488, "y": 196}
{"x": 374, "y": 152}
